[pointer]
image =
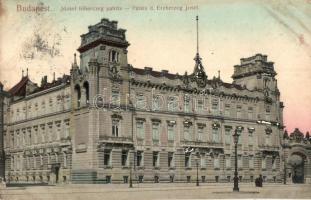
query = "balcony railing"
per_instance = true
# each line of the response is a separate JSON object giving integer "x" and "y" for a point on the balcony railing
{"x": 201, "y": 144}
{"x": 110, "y": 139}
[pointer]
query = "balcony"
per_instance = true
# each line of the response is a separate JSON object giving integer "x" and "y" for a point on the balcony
{"x": 268, "y": 148}
{"x": 201, "y": 144}
{"x": 110, "y": 139}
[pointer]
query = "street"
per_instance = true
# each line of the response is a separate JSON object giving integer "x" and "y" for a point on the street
{"x": 157, "y": 191}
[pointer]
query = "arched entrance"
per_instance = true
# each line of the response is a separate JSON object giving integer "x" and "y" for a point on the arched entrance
{"x": 297, "y": 162}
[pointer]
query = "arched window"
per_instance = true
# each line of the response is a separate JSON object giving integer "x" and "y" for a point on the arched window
{"x": 87, "y": 92}
{"x": 78, "y": 94}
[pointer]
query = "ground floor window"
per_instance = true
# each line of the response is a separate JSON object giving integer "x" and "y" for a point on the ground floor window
{"x": 125, "y": 179}
{"x": 188, "y": 179}
{"x": 203, "y": 179}
{"x": 240, "y": 178}
{"x": 252, "y": 178}
{"x": 171, "y": 178}
{"x": 108, "y": 179}
{"x": 217, "y": 179}
{"x": 156, "y": 179}
{"x": 229, "y": 178}
{"x": 141, "y": 179}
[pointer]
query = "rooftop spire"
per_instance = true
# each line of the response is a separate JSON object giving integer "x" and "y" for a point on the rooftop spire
{"x": 197, "y": 19}
{"x": 75, "y": 59}
{"x": 27, "y": 72}
{"x": 198, "y": 71}
{"x": 22, "y": 73}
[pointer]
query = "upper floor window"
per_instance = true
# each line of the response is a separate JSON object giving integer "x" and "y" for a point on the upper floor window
{"x": 139, "y": 158}
{"x": 170, "y": 159}
{"x": 227, "y": 110}
{"x": 107, "y": 157}
{"x": 113, "y": 56}
{"x": 155, "y": 160}
{"x": 187, "y": 103}
{"x": 228, "y": 135}
{"x": 250, "y": 113}
{"x": 187, "y": 160}
{"x": 124, "y": 158}
{"x": 155, "y": 131}
{"x": 140, "y": 129}
{"x": 239, "y": 112}
{"x": 115, "y": 97}
{"x": 187, "y": 134}
{"x": 240, "y": 161}
{"x": 200, "y": 132}
{"x": 115, "y": 127}
{"x": 170, "y": 132}
{"x": 251, "y": 162}
{"x": 172, "y": 104}
{"x": 200, "y": 105}
{"x": 215, "y": 132}
{"x": 156, "y": 102}
{"x": 140, "y": 102}
{"x": 228, "y": 161}
{"x": 216, "y": 162}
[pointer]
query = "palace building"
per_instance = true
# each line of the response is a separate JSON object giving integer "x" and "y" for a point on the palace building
{"x": 109, "y": 122}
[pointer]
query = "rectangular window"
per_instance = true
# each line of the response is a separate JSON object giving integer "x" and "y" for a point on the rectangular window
{"x": 187, "y": 160}
{"x": 240, "y": 162}
{"x": 228, "y": 162}
{"x": 273, "y": 163}
{"x": 215, "y": 132}
{"x": 215, "y": 105}
{"x": 250, "y": 138}
{"x": 239, "y": 112}
{"x": 263, "y": 163}
{"x": 140, "y": 102}
{"x": 115, "y": 98}
{"x": 170, "y": 132}
{"x": 155, "y": 132}
{"x": 187, "y": 134}
{"x": 139, "y": 158}
{"x": 155, "y": 160}
{"x": 200, "y": 133}
{"x": 170, "y": 159}
{"x": 172, "y": 104}
{"x": 203, "y": 161}
{"x": 107, "y": 157}
{"x": 115, "y": 128}
{"x": 200, "y": 106}
{"x": 140, "y": 129}
{"x": 124, "y": 158}
{"x": 251, "y": 162}
{"x": 227, "y": 110}
{"x": 187, "y": 103}
{"x": 156, "y": 103}
{"x": 228, "y": 136}
{"x": 268, "y": 140}
{"x": 250, "y": 113}
{"x": 216, "y": 162}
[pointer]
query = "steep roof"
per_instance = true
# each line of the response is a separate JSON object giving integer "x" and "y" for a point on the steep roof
{"x": 20, "y": 88}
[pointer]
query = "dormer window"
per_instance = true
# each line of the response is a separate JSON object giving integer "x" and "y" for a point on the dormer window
{"x": 113, "y": 56}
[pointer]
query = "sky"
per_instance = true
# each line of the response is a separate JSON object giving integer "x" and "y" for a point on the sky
{"x": 44, "y": 42}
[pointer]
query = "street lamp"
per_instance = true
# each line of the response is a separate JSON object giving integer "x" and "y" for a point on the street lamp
{"x": 236, "y": 135}
{"x": 197, "y": 164}
{"x": 131, "y": 180}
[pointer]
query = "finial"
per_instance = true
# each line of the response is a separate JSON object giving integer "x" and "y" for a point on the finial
{"x": 218, "y": 74}
{"x": 27, "y": 72}
{"x": 197, "y": 18}
{"x": 22, "y": 73}
{"x": 53, "y": 76}
{"x": 75, "y": 59}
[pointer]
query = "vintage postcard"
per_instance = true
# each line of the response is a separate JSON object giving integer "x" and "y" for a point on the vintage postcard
{"x": 145, "y": 100}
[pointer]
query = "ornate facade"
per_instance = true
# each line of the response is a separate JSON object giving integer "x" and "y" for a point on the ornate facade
{"x": 108, "y": 120}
